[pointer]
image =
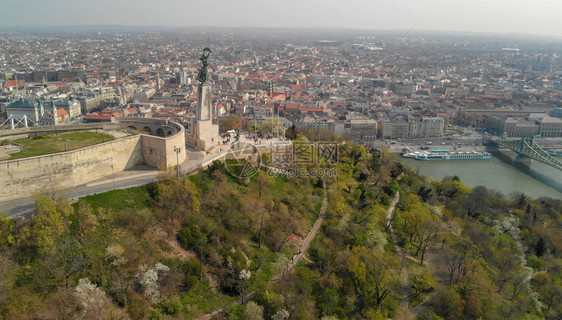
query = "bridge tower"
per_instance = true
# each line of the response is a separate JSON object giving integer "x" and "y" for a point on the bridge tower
{"x": 528, "y": 148}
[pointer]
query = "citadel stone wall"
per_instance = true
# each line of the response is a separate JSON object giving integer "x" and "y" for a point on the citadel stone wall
{"x": 22, "y": 133}
{"x": 159, "y": 152}
{"x": 24, "y": 177}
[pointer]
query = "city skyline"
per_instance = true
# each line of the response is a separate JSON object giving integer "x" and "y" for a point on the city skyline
{"x": 520, "y": 17}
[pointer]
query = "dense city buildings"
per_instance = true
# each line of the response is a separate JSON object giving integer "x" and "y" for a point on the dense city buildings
{"x": 261, "y": 179}
{"x": 362, "y": 86}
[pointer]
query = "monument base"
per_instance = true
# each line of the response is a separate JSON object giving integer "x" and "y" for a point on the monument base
{"x": 204, "y": 136}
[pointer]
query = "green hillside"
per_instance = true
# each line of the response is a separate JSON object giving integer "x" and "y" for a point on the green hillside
{"x": 390, "y": 244}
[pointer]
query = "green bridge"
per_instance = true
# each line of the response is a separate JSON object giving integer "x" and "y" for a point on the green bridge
{"x": 527, "y": 147}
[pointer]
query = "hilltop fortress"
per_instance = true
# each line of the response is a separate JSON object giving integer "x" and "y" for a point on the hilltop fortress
{"x": 155, "y": 147}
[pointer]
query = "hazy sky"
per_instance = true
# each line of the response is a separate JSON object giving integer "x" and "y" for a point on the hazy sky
{"x": 501, "y": 16}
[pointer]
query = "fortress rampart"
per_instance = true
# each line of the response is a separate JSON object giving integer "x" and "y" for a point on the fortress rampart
{"x": 24, "y": 177}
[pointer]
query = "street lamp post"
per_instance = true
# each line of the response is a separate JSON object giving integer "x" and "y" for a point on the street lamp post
{"x": 177, "y": 151}
{"x": 64, "y": 142}
{"x": 113, "y": 174}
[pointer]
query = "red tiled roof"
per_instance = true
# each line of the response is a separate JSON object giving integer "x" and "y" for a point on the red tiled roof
{"x": 159, "y": 102}
{"x": 61, "y": 112}
{"x": 14, "y": 83}
{"x": 103, "y": 115}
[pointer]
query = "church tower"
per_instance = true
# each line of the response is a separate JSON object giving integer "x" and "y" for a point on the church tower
{"x": 54, "y": 112}
{"x": 158, "y": 81}
{"x": 41, "y": 108}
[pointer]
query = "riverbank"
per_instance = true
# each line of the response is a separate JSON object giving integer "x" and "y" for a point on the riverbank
{"x": 500, "y": 173}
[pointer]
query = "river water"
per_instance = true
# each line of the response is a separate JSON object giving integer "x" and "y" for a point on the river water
{"x": 499, "y": 173}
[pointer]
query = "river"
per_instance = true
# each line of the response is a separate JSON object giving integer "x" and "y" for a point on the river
{"x": 499, "y": 173}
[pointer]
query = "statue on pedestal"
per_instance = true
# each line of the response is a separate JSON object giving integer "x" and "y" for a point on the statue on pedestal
{"x": 202, "y": 75}
{"x": 203, "y": 132}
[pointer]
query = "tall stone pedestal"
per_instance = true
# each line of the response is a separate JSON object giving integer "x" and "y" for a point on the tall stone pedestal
{"x": 204, "y": 134}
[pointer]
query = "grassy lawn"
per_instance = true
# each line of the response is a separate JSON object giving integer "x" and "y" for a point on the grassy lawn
{"x": 46, "y": 144}
{"x": 203, "y": 300}
{"x": 117, "y": 200}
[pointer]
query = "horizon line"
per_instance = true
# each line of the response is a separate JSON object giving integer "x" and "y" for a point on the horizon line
{"x": 292, "y": 28}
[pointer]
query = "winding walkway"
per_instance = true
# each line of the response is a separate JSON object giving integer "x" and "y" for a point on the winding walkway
{"x": 306, "y": 243}
{"x": 303, "y": 248}
{"x": 405, "y": 312}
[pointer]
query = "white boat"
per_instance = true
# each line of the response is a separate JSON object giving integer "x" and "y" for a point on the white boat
{"x": 472, "y": 155}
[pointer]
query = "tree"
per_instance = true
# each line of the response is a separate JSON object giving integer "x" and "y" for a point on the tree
{"x": 67, "y": 260}
{"x": 356, "y": 152}
{"x": 92, "y": 299}
{"x": 540, "y": 247}
{"x": 421, "y": 281}
{"x": 122, "y": 267}
{"x": 477, "y": 202}
{"x": 83, "y": 220}
{"x": 447, "y": 303}
{"x": 291, "y": 133}
{"x": 191, "y": 237}
{"x": 233, "y": 122}
{"x": 426, "y": 233}
{"x": 521, "y": 282}
{"x": 507, "y": 267}
{"x": 272, "y": 125}
{"x": 345, "y": 176}
{"x": 521, "y": 200}
{"x": 6, "y": 269}
{"x": 6, "y": 228}
{"x": 263, "y": 209}
{"x": 549, "y": 292}
{"x": 424, "y": 193}
{"x": 281, "y": 315}
{"x": 413, "y": 215}
{"x": 263, "y": 183}
{"x": 139, "y": 221}
{"x": 48, "y": 224}
{"x": 532, "y": 209}
{"x": 148, "y": 279}
{"x": 176, "y": 198}
{"x": 374, "y": 275}
{"x": 453, "y": 188}
{"x": 375, "y": 161}
{"x": 462, "y": 255}
{"x": 244, "y": 276}
{"x": 253, "y": 311}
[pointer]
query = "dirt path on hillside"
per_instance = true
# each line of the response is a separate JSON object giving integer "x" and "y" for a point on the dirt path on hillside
{"x": 435, "y": 260}
{"x": 306, "y": 243}
{"x": 405, "y": 312}
{"x": 303, "y": 248}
